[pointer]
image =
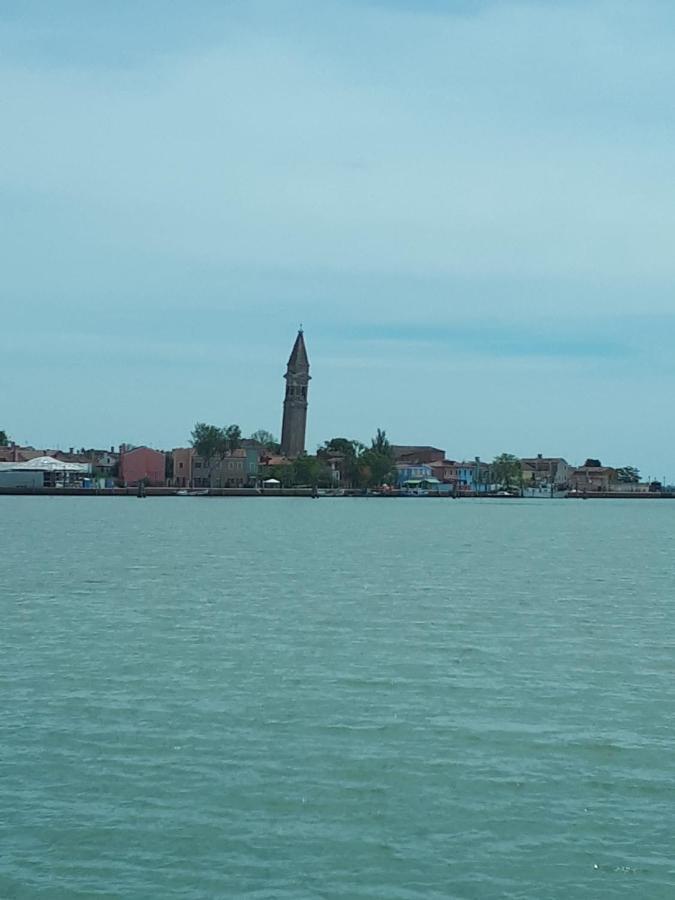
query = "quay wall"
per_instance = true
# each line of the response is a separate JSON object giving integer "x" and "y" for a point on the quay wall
{"x": 151, "y": 492}
{"x": 307, "y": 492}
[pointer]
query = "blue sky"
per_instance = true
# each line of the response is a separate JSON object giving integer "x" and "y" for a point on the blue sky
{"x": 469, "y": 205}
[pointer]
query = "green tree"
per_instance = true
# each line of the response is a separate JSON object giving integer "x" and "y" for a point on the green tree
{"x": 349, "y": 455}
{"x": 211, "y": 443}
{"x": 507, "y": 471}
{"x": 375, "y": 468}
{"x": 310, "y": 471}
{"x": 628, "y": 475}
{"x": 381, "y": 445}
{"x": 232, "y": 434}
{"x": 283, "y": 474}
{"x": 340, "y": 446}
{"x": 4, "y": 438}
{"x": 377, "y": 464}
{"x": 267, "y": 439}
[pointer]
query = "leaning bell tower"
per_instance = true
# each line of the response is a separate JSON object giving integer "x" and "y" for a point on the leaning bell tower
{"x": 295, "y": 402}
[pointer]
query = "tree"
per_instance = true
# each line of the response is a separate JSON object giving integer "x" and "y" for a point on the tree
{"x": 507, "y": 471}
{"x": 232, "y": 435}
{"x": 340, "y": 446}
{"x": 375, "y": 468}
{"x": 348, "y": 455}
{"x": 211, "y": 443}
{"x": 628, "y": 475}
{"x": 4, "y": 438}
{"x": 267, "y": 439}
{"x": 377, "y": 464}
{"x": 309, "y": 470}
{"x": 283, "y": 474}
{"x": 381, "y": 445}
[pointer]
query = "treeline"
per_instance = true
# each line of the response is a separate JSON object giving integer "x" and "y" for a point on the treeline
{"x": 358, "y": 466}
{"x": 350, "y": 463}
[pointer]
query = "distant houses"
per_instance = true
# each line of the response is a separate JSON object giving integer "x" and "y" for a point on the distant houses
{"x": 589, "y": 479}
{"x": 425, "y": 462}
{"x": 228, "y": 460}
{"x": 548, "y": 472}
{"x": 416, "y": 468}
{"x": 237, "y": 468}
{"x": 141, "y": 465}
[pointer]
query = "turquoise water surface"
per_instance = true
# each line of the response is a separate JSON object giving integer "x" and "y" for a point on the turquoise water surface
{"x": 343, "y": 698}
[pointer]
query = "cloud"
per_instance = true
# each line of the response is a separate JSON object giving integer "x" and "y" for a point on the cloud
{"x": 490, "y": 180}
{"x": 470, "y": 147}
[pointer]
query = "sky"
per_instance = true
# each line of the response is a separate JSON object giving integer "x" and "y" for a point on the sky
{"x": 469, "y": 205}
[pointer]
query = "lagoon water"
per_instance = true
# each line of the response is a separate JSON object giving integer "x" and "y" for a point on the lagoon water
{"x": 285, "y": 698}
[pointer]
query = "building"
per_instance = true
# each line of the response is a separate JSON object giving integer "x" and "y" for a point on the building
{"x": 425, "y": 486}
{"x": 228, "y": 471}
{"x": 182, "y": 459}
{"x": 106, "y": 462}
{"x": 44, "y": 471}
{"x": 592, "y": 478}
{"x": 404, "y": 453}
{"x": 472, "y": 476}
{"x": 14, "y": 453}
{"x": 552, "y": 472}
{"x": 406, "y": 472}
{"x": 295, "y": 401}
{"x": 445, "y": 470}
{"x": 635, "y": 487}
{"x": 73, "y": 456}
{"x": 238, "y": 468}
{"x": 344, "y": 468}
{"x": 254, "y": 455}
{"x": 141, "y": 464}
{"x": 19, "y": 478}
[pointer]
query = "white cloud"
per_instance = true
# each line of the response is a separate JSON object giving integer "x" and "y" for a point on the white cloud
{"x": 342, "y": 164}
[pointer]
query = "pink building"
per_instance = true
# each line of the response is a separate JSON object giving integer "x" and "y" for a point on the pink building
{"x": 141, "y": 463}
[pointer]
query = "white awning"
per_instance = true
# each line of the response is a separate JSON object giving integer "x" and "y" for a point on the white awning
{"x": 45, "y": 464}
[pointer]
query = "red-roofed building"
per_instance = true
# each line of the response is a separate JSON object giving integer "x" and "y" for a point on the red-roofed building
{"x": 141, "y": 464}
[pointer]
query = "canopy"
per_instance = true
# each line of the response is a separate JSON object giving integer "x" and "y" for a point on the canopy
{"x": 45, "y": 464}
{"x": 271, "y": 481}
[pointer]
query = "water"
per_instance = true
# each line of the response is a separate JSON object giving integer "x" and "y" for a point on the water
{"x": 336, "y": 699}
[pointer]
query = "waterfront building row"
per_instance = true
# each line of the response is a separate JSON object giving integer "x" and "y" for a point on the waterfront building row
{"x": 248, "y": 464}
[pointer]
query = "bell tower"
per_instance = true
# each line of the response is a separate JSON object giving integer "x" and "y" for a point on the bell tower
{"x": 295, "y": 402}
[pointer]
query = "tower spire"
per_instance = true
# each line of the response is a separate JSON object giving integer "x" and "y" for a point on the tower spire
{"x": 295, "y": 401}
